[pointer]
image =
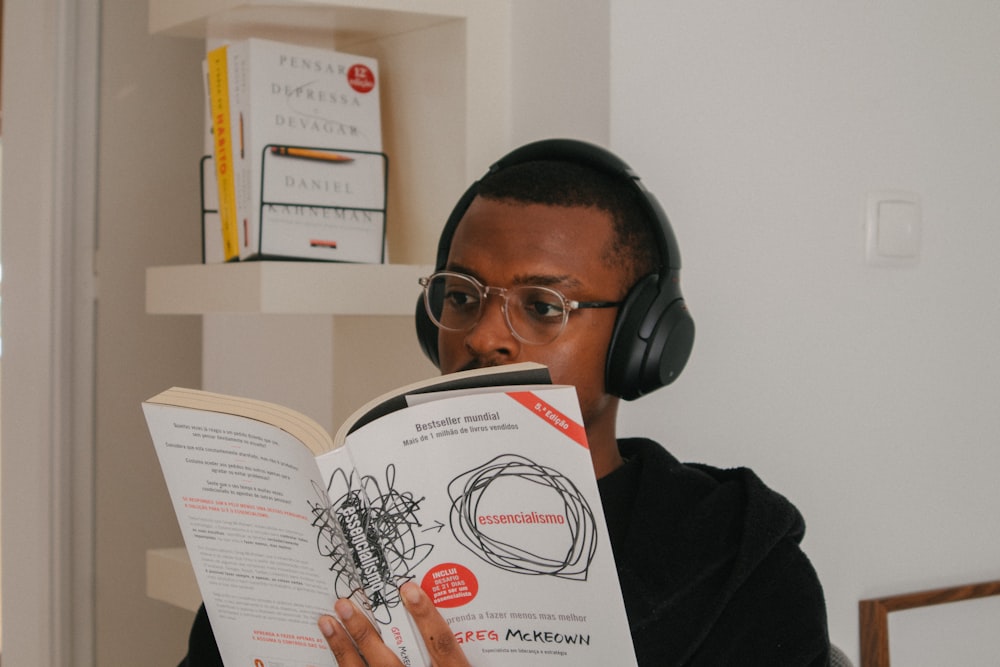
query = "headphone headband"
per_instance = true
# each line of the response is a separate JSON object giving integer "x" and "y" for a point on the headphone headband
{"x": 584, "y": 154}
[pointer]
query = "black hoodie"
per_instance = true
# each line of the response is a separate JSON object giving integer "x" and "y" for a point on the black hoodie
{"x": 710, "y": 565}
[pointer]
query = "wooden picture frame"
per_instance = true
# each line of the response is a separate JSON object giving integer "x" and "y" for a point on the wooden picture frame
{"x": 873, "y": 615}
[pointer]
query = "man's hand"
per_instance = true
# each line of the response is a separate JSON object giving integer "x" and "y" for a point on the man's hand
{"x": 362, "y": 639}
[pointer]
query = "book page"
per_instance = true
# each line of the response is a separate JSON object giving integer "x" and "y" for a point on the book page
{"x": 252, "y": 508}
{"x": 489, "y": 502}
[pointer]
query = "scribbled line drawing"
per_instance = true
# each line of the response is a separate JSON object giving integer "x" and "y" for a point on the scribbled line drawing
{"x": 369, "y": 531}
{"x": 332, "y": 544}
{"x": 575, "y": 525}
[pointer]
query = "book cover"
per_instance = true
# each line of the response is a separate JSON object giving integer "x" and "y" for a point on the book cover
{"x": 217, "y": 78}
{"x": 304, "y": 129}
{"x": 485, "y": 497}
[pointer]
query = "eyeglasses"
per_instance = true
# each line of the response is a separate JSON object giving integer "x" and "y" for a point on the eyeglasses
{"x": 535, "y": 315}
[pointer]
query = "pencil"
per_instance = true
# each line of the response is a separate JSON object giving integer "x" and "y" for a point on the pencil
{"x": 311, "y": 154}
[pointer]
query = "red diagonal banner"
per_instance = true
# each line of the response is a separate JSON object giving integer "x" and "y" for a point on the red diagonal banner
{"x": 554, "y": 417}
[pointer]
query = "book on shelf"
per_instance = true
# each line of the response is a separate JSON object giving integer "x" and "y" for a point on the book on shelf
{"x": 297, "y": 142}
{"x": 212, "y": 250}
{"x": 476, "y": 485}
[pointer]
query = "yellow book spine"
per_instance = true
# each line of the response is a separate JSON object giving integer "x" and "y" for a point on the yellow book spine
{"x": 218, "y": 87}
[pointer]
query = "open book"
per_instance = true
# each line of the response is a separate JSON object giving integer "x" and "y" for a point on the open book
{"x": 477, "y": 485}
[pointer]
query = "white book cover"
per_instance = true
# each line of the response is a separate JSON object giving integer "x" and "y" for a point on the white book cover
{"x": 309, "y": 173}
{"x": 489, "y": 501}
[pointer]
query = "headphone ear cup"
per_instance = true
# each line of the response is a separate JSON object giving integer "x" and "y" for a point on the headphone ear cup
{"x": 427, "y": 333}
{"x": 668, "y": 348}
{"x": 651, "y": 342}
{"x": 626, "y": 352}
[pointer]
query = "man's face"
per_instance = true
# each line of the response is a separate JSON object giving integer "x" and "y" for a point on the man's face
{"x": 506, "y": 244}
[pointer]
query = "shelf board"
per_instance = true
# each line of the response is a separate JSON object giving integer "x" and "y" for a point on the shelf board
{"x": 350, "y": 20}
{"x": 170, "y": 578}
{"x": 272, "y": 287}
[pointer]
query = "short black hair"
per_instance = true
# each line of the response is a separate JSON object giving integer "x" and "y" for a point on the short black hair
{"x": 635, "y": 249}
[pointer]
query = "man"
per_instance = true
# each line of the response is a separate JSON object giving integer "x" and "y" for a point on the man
{"x": 576, "y": 267}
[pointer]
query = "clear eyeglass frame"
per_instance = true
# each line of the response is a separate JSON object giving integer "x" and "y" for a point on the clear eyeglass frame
{"x": 534, "y": 314}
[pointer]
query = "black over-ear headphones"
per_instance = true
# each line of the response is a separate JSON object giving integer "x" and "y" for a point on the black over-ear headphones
{"x": 654, "y": 331}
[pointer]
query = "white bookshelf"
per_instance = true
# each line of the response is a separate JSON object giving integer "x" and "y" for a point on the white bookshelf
{"x": 321, "y": 337}
{"x": 445, "y": 75}
{"x": 170, "y": 578}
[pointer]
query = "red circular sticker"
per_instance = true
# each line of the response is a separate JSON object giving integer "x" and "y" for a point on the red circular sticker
{"x": 361, "y": 78}
{"x": 450, "y": 585}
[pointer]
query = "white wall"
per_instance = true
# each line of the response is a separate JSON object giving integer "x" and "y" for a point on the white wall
{"x": 151, "y": 137}
{"x": 867, "y": 395}
{"x": 560, "y": 70}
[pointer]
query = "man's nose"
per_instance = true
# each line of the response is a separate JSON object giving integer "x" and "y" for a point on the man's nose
{"x": 491, "y": 335}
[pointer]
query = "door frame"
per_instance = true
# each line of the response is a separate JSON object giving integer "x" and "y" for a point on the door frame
{"x": 48, "y": 221}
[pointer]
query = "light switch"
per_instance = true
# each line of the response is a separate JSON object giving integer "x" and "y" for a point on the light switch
{"x": 893, "y": 229}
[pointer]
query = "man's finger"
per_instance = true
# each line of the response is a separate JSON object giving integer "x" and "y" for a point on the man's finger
{"x": 444, "y": 649}
{"x": 365, "y": 636}
{"x": 340, "y": 643}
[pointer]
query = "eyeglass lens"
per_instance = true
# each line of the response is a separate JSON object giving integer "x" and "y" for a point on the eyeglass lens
{"x": 534, "y": 314}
